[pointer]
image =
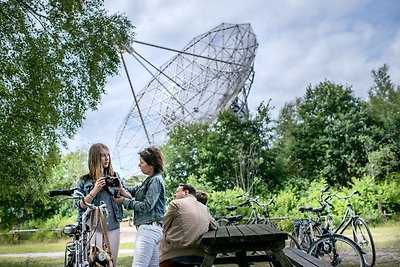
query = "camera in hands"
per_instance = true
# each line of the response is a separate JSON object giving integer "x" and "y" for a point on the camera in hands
{"x": 111, "y": 181}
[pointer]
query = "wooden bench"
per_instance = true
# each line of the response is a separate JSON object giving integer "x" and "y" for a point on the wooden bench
{"x": 241, "y": 241}
{"x": 300, "y": 258}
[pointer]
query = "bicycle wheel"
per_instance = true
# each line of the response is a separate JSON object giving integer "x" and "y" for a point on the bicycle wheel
{"x": 363, "y": 237}
{"x": 337, "y": 250}
{"x": 69, "y": 255}
{"x": 302, "y": 234}
{"x": 291, "y": 242}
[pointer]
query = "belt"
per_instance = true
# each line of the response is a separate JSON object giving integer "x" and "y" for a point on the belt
{"x": 155, "y": 223}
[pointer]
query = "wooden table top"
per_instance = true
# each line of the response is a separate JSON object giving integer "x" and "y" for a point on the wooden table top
{"x": 243, "y": 241}
{"x": 243, "y": 234}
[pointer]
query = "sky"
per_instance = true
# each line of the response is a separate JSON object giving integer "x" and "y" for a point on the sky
{"x": 301, "y": 43}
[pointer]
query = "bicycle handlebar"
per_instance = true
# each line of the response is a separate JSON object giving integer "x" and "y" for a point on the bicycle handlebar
{"x": 326, "y": 189}
{"x": 63, "y": 192}
{"x": 72, "y": 193}
{"x": 355, "y": 192}
{"x": 247, "y": 202}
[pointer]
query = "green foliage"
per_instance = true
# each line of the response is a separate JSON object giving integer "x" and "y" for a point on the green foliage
{"x": 234, "y": 151}
{"x": 182, "y": 154}
{"x": 384, "y": 109}
{"x": 55, "y": 58}
{"x": 217, "y": 201}
{"x": 374, "y": 199}
{"x": 320, "y": 135}
{"x": 65, "y": 175}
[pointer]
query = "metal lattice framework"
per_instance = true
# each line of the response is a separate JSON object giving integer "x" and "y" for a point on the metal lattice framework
{"x": 213, "y": 72}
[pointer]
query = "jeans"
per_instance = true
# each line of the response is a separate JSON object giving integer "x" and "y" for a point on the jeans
{"x": 184, "y": 261}
{"x": 146, "y": 246}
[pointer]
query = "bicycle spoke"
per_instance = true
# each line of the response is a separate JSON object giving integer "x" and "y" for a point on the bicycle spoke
{"x": 341, "y": 252}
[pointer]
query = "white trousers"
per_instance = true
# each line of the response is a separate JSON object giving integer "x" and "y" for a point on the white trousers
{"x": 114, "y": 238}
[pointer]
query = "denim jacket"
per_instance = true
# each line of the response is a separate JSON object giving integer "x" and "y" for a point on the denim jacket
{"x": 85, "y": 186}
{"x": 149, "y": 201}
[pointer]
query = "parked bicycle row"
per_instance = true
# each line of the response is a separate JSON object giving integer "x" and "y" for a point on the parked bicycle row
{"x": 349, "y": 243}
{"x": 255, "y": 217}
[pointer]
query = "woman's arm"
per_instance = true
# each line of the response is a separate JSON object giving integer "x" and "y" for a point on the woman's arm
{"x": 100, "y": 183}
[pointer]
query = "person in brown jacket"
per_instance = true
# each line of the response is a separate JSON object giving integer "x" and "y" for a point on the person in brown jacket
{"x": 185, "y": 222}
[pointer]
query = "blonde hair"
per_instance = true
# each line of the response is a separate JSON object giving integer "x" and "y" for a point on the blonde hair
{"x": 96, "y": 169}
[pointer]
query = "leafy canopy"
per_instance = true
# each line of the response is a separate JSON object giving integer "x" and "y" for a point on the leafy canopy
{"x": 321, "y": 134}
{"x": 234, "y": 151}
{"x": 55, "y": 57}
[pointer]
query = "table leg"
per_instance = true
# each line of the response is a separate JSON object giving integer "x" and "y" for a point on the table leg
{"x": 281, "y": 259}
{"x": 242, "y": 259}
{"x": 208, "y": 260}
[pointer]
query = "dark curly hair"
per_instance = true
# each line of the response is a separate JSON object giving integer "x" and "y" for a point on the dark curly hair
{"x": 152, "y": 156}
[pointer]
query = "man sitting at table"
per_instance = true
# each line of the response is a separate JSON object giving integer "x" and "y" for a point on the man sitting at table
{"x": 185, "y": 222}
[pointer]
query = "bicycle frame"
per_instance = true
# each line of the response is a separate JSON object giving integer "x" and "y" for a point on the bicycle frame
{"x": 347, "y": 219}
{"x": 254, "y": 217}
{"x": 80, "y": 245}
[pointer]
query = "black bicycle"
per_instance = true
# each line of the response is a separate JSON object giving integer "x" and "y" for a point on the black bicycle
{"x": 332, "y": 248}
{"x": 230, "y": 219}
{"x": 360, "y": 232}
{"x": 265, "y": 218}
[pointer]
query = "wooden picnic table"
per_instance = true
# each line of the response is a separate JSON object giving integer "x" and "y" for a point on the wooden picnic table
{"x": 242, "y": 244}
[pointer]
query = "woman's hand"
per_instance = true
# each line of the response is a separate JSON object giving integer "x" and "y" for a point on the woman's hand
{"x": 119, "y": 199}
{"x": 100, "y": 183}
{"x": 122, "y": 190}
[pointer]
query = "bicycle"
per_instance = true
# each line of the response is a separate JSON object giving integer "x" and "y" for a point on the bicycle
{"x": 306, "y": 231}
{"x": 335, "y": 249}
{"x": 256, "y": 218}
{"x": 231, "y": 219}
{"x": 361, "y": 233}
{"x": 77, "y": 251}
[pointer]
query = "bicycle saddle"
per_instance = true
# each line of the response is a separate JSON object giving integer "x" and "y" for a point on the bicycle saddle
{"x": 320, "y": 209}
{"x": 230, "y": 208}
{"x": 306, "y": 208}
{"x": 236, "y": 218}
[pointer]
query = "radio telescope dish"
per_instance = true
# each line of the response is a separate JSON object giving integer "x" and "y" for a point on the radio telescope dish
{"x": 212, "y": 73}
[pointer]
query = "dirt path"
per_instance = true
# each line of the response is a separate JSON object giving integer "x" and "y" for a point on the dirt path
{"x": 127, "y": 236}
{"x": 388, "y": 257}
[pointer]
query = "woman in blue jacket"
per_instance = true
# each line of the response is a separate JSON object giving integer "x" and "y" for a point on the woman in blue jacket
{"x": 149, "y": 204}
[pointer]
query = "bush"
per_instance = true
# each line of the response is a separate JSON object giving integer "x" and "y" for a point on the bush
{"x": 375, "y": 198}
{"x": 45, "y": 231}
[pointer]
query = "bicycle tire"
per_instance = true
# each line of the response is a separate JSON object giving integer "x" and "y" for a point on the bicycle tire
{"x": 292, "y": 242}
{"x": 304, "y": 239}
{"x": 69, "y": 256}
{"x": 348, "y": 252}
{"x": 363, "y": 237}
